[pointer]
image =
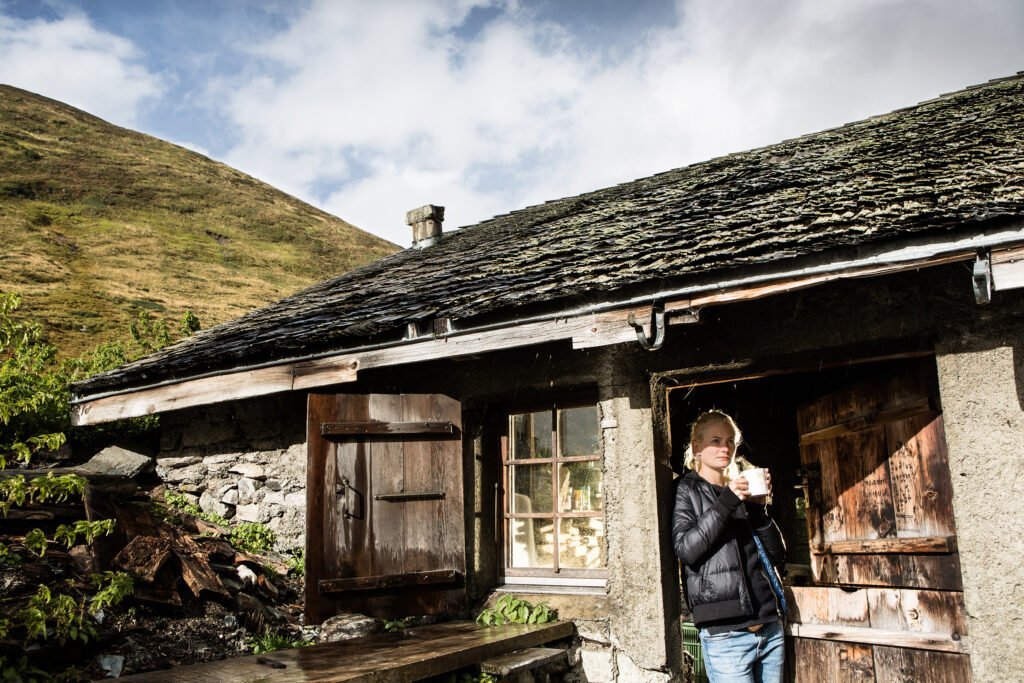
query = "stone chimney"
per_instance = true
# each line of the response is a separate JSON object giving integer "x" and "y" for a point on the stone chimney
{"x": 426, "y": 225}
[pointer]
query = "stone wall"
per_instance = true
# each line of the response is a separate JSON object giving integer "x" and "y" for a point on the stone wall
{"x": 242, "y": 460}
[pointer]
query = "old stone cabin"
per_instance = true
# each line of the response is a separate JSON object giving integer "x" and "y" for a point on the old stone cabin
{"x": 504, "y": 407}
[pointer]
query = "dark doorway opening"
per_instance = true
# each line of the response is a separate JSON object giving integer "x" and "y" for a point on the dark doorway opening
{"x": 765, "y": 409}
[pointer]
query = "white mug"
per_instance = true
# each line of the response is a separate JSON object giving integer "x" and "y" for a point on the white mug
{"x": 756, "y": 482}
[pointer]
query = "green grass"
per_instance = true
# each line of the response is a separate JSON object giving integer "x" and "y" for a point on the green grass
{"x": 92, "y": 215}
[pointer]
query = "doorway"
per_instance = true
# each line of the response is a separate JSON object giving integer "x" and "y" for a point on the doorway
{"x": 862, "y": 494}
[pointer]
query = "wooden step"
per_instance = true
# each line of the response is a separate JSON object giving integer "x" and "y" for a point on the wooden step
{"x": 522, "y": 660}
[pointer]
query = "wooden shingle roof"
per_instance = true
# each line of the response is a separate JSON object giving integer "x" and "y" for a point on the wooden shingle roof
{"x": 953, "y": 162}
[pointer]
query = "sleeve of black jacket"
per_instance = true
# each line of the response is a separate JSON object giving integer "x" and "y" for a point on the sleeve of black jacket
{"x": 693, "y": 536}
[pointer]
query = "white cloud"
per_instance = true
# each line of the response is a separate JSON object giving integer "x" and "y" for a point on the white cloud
{"x": 72, "y": 61}
{"x": 376, "y": 108}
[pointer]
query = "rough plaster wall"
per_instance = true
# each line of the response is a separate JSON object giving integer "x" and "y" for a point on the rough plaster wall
{"x": 981, "y": 401}
{"x": 244, "y": 460}
{"x": 637, "y": 614}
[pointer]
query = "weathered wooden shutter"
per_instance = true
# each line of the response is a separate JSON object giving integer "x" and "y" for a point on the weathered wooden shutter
{"x": 385, "y": 532}
{"x": 880, "y": 524}
{"x": 879, "y": 504}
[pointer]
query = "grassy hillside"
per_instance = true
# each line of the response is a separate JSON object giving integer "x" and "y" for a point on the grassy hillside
{"x": 98, "y": 222}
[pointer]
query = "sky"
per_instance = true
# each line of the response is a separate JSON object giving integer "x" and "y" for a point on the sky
{"x": 370, "y": 108}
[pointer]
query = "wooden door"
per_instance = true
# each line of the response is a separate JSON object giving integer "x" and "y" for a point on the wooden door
{"x": 882, "y": 536}
{"x": 385, "y": 533}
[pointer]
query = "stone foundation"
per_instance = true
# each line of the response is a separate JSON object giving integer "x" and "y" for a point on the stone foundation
{"x": 244, "y": 461}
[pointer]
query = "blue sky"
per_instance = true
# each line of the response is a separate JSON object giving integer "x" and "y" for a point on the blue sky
{"x": 368, "y": 109}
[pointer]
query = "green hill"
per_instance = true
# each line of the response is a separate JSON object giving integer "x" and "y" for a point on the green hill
{"x": 99, "y": 222}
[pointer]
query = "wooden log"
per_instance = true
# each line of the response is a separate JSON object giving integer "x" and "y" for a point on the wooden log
{"x": 198, "y": 575}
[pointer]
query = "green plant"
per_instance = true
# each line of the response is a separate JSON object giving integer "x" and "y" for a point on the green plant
{"x": 67, "y": 617}
{"x": 111, "y": 589}
{"x": 270, "y": 641}
{"x": 35, "y": 542}
{"x": 253, "y": 537}
{"x": 17, "y": 491}
{"x": 179, "y": 502}
{"x": 296, "y": 562}
{"x": 511, "y": 610}
{"x": 392, "y": 625}
{"x": 69, "y": 533}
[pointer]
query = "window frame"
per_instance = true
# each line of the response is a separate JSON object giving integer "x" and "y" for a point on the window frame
{"x": 563, "y": 576}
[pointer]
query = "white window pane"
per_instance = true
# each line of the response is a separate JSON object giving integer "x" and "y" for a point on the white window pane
{"x": 581, "y": 543}
{"x": 532, "y": 543}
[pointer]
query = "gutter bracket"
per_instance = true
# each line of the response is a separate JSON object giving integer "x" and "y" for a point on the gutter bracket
{"x": 981, "y": 278}
{"x": 657, "y": 326}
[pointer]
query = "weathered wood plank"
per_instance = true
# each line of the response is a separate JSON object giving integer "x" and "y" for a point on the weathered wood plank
{"x": 227, "y": 387}
{"x": 943, "y": 642}
{"x": 940, "y": 544}
{"x": 919, "y": 465}
{"x": 917, "y": 610}
{"x": 1007, "y": 268}
{"x": 522, "y": 660}
{"x": 900, "y": 665}
{"x": 863, "y": 422}
{"x": 827, "y": 605}
{"x": 380, "y": 428}
{"x": 437, "y": 578}
{"x": 816, "y": 661}
{"x": 409, "y": 655}
{"x": 319, "y": 515}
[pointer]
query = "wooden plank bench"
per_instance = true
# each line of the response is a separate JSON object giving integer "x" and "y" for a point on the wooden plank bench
{"x": 409, "y": 655}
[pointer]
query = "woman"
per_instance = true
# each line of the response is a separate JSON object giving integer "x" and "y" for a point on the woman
{"x": 732, "y": 585}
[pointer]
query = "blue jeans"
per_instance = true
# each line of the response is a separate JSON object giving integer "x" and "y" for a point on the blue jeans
{"x": 744, "y": 657}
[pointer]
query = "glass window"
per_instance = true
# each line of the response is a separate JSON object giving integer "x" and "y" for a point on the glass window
{"x": 554, "y": 503}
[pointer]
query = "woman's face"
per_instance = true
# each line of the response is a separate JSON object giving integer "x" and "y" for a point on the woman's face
{"x": 715, "y": 446}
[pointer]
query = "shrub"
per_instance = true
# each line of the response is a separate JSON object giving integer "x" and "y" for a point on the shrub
{"x": 253, "y": 537}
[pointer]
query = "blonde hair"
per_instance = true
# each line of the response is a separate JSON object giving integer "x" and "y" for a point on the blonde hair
{"x": 690, "y": 460}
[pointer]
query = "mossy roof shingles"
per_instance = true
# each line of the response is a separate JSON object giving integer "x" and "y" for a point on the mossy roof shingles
{"x": 953, "y": 161}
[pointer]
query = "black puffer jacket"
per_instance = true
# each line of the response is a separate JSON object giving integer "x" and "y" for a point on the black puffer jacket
{"x": 704, "y": 533}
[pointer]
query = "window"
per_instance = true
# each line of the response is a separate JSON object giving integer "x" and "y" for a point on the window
{"x": 554, "y": 504}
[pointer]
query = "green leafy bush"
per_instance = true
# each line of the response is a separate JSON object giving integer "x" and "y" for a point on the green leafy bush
{"x": 511, "y": 610}
{"x": 253, "y": 537}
